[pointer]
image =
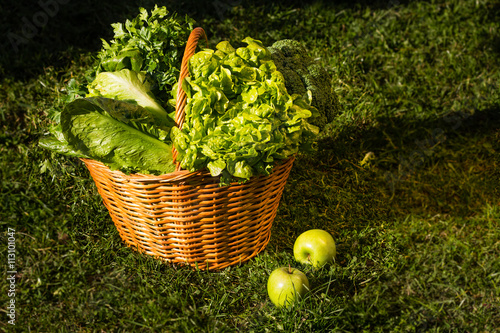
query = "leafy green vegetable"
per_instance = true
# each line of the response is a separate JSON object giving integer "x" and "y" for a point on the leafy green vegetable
{"x": 306, "y": 77}
{"x": 125, "y": 120}
{"x": 152, "y": 43}
{"x": 239, "y": 117}
{"x": 133, "y": 87}
{"x": 56, "y": 142}
{"x": 123, "y": 126}
{"x": 120, "y": 134}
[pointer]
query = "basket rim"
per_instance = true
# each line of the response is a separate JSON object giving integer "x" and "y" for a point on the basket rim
{"x": 175, "y": 175}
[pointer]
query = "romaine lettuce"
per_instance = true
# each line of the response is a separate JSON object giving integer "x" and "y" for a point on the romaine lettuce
{"x": 131, "y": 86}
{"x": 120, "y": 134}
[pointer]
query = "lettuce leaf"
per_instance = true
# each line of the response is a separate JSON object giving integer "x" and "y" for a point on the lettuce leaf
{"x": 120, "y": 134}
{"x": 52, "y": 142}
{"x": 131, "y": 86}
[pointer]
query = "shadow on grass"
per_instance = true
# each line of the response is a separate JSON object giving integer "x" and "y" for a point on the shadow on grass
{"x": 442, "y": 165}
{"x": 399, "y": 134}
{"x": 446, "y": 166}
{"x": 53, "y": 32}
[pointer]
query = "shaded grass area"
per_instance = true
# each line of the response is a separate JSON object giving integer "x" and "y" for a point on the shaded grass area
{"x": 416, "y": 225}
{"x": 55, "y": 31}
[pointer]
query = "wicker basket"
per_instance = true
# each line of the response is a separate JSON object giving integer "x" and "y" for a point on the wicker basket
{"x": 186, "y": 217}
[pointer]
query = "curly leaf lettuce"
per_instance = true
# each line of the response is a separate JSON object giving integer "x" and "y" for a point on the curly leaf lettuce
{"x": 239, "y": 117}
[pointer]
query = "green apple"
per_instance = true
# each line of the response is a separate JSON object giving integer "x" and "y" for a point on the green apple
{"x": 315, "y": 247}
{"x": 286, "y": 285}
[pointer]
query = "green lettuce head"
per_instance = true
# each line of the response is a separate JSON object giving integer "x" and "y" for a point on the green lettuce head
{"x": 240, "y": 119}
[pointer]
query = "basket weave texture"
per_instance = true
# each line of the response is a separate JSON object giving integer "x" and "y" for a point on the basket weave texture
{"x": 187, "y": 217}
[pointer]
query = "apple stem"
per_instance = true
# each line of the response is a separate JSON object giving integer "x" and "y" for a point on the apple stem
{"x": 289, "y": 269}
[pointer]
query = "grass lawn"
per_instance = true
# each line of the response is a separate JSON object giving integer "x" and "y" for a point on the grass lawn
{"x": 417, "y": 227}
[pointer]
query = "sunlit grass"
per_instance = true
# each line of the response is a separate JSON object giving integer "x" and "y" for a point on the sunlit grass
{"x": 417, "y": 227}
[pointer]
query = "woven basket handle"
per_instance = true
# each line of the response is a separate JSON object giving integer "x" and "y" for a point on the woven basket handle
{"x": 192, "y": 43}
